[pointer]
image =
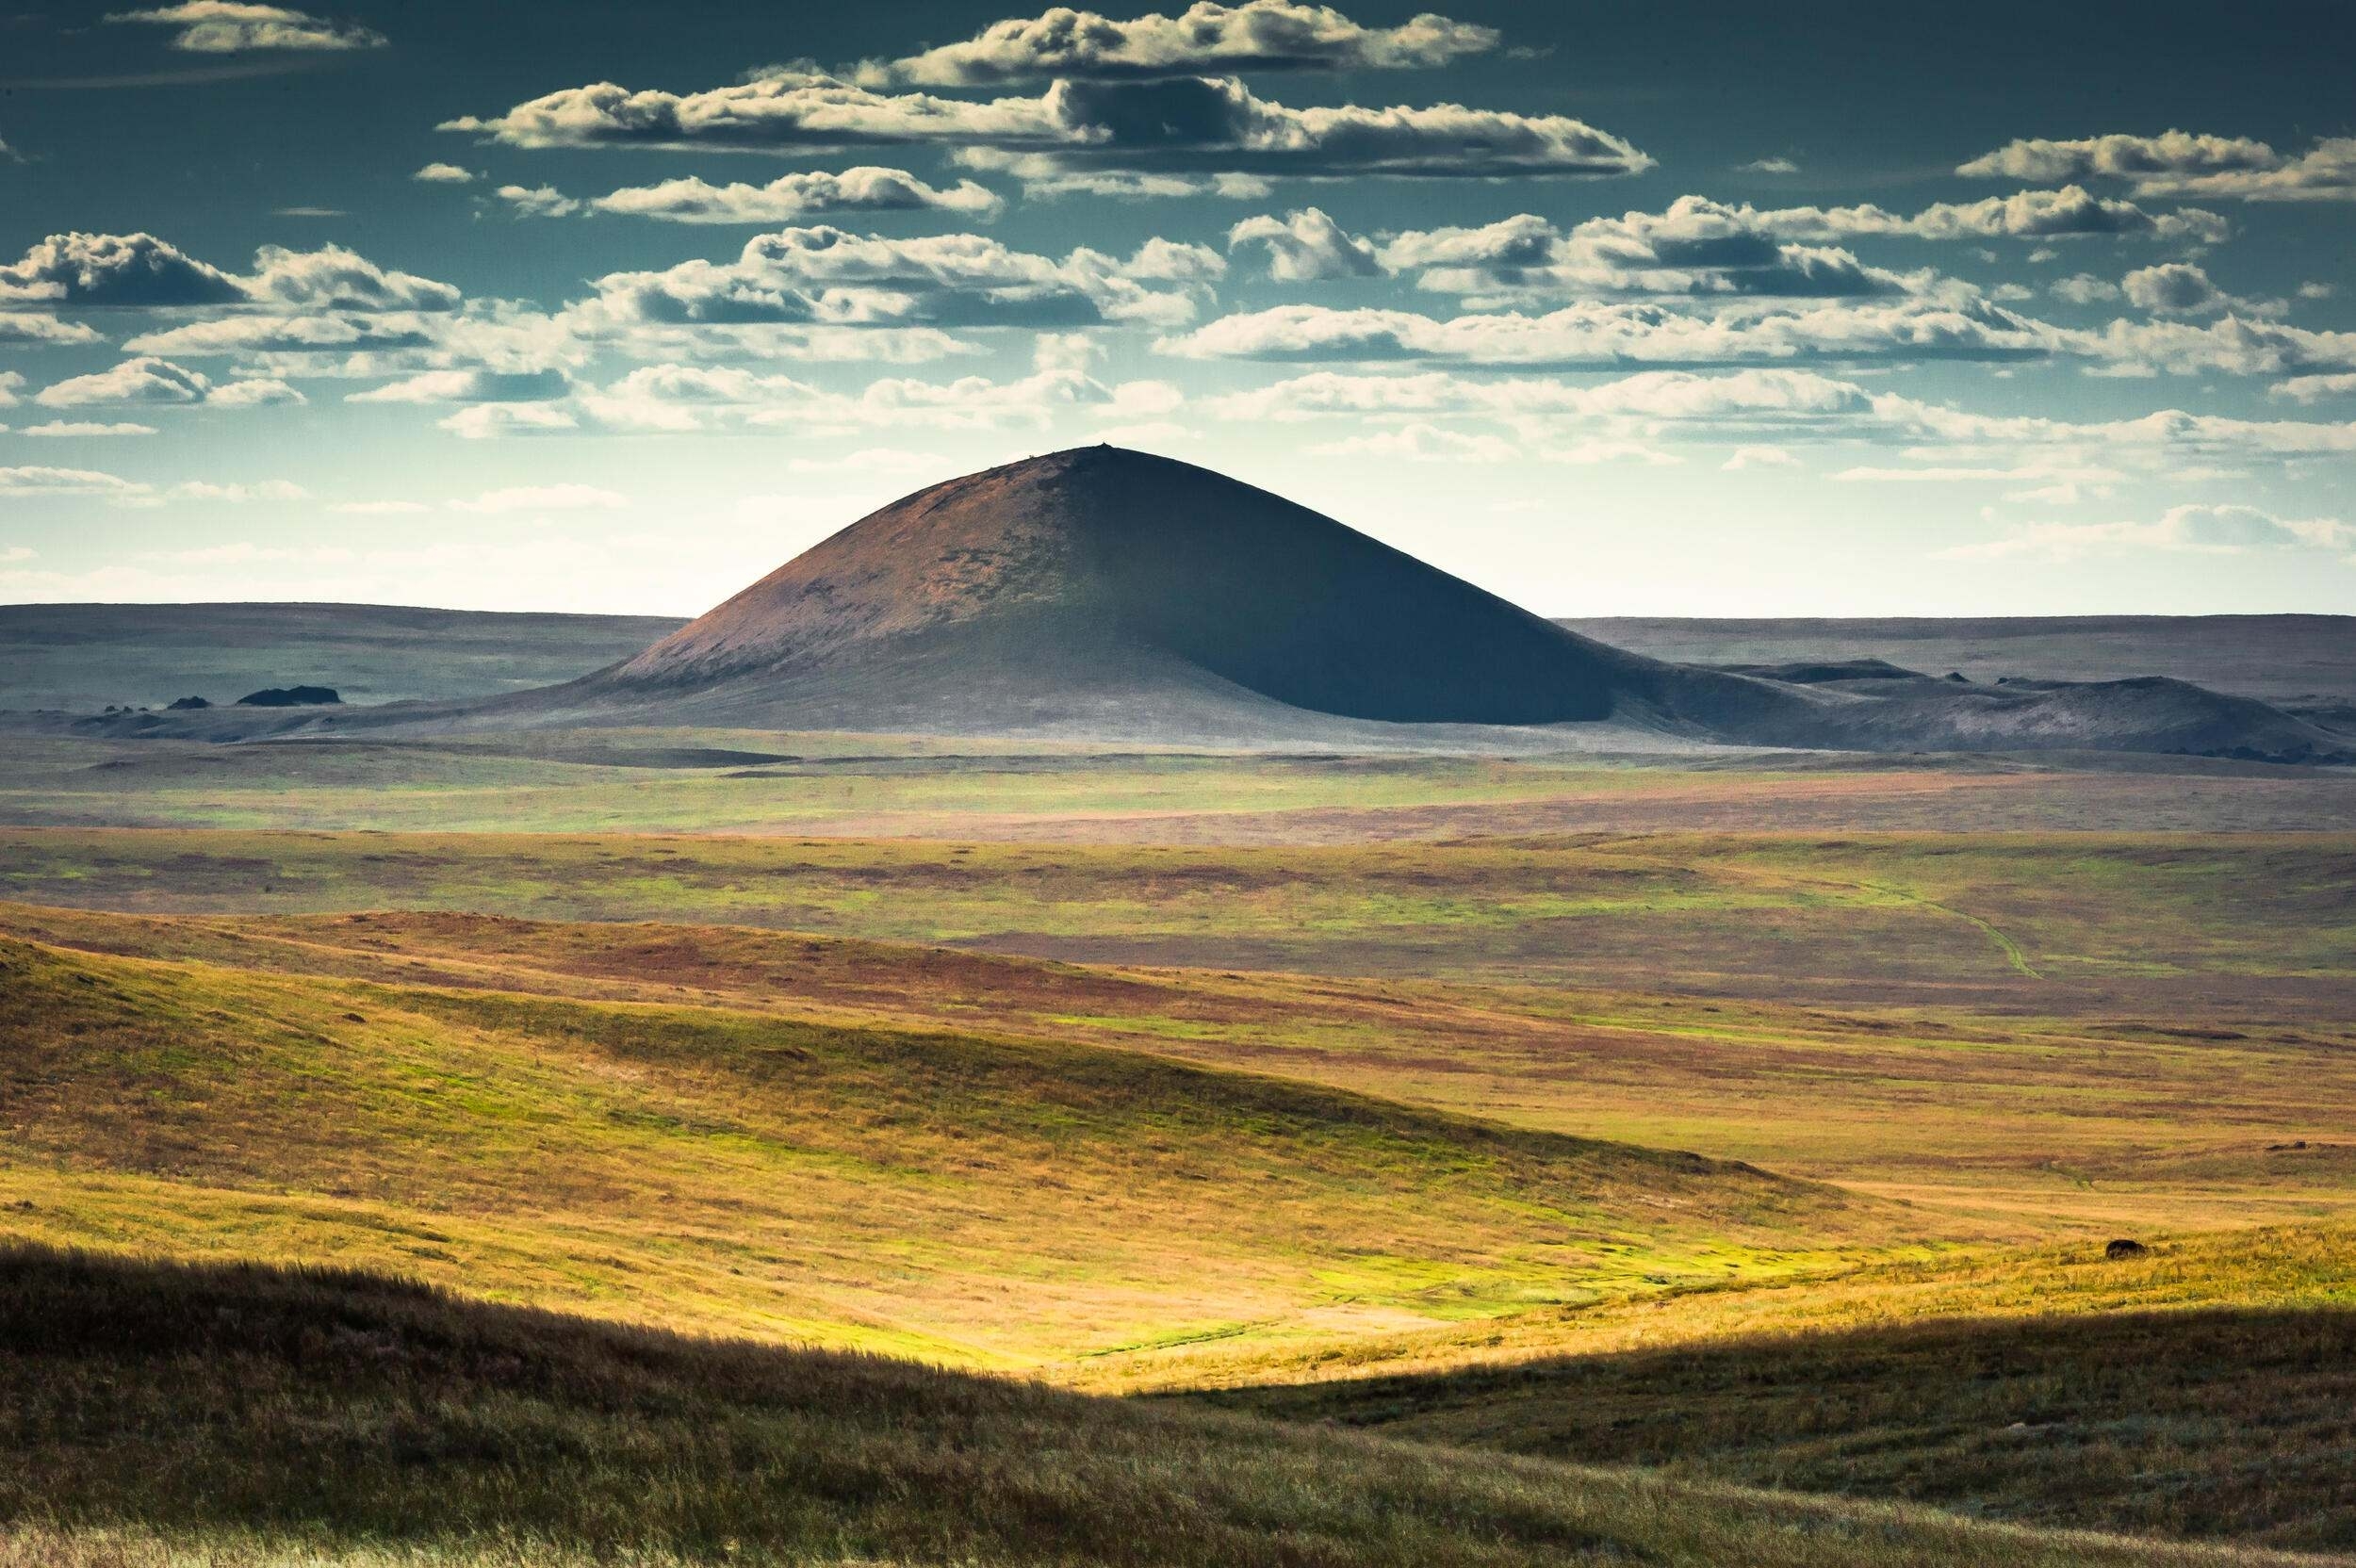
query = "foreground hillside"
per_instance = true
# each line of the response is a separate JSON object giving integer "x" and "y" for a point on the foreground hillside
{"x": 982, "y": 1201}
{"x": 162, "y": 1414}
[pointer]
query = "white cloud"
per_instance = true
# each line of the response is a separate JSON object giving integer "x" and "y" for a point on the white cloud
{"x": 158, "y": 383}
{"x": 19, "y": 326}
{"x": 87, "y": 427}
{"x": 2174, "y": 289}
{"x": 1420, "y": 444}
{"x": 133, "y": 381}
{"x": 1760, "y": 457}
{"x": 257, "y": 392}
{"x": 791, "y": 197}
{"x": 1696, "y": 247}
{"x": 1305, "y": 245}
{"x": 473, "y": 384}
{"x": 1208, "y": 38}
{"x": 38, "y": 482}
{"x": 542, "y": 498}
{"x": 2083, "y": 288}
{"x": 236, "y": 26}
{"x": 141, "y": 272}
{"x": 2196, "y": 530}
{"x": 1612, "y": 335}
{"x": 1768, "y": 165}
{"x": 1185, "y": 125}
{"x": 544, "y": 201}
{"x": 2178, "y": 163}
{"x": 2308, "y": 390}
{"x": 1041, "y": 183}
{"x": 2070, "y": 213}
{"x": 446, "y": 173}
{"x": 826, "y": 276}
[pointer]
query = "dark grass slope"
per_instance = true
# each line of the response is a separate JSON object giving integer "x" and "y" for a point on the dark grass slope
{"x": 241, "y": 1412}
{"x": 2230, "y": 1424}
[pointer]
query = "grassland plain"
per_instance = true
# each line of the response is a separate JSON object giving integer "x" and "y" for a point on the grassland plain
{"x": 2026, "y": 1125}
{"x": 985, "y": 1201}
{"x": 170, "y": 1415}
{"x": 751, "y": 781}
{"x": 2169, "y": 924}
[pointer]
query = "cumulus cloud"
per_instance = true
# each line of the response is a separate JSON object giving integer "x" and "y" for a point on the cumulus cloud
{"x": 2197, "y": 529}
{"x": 1181, "y": 127}
{"x": 1759, "y": 457}
{"x": 2234, "y": 344}
{"x": 1305, "y": 246}
{"x": 2178, "y": 163}
{"x": 1047, "y": 184}
{"x": 2174, "y": 288}
{"x": 826, "y": 276}
{"x": 1206, "y": 38}
{"x": 473, "y": 384}
{"x": 791, "y": 197}
{"x": 1696, "y": 247}
{"x": 158, "y": 383}
{"x": 141, "y": 272}
{"x": 236, "y": 26}
{"x": 1603, "y": 335}
{"x": 2083, "y": 288}
{"x": 17, "y": 326}
{"x": 2070, "y": 213}
{"x": 36, "y": 482}
{"x": 445, "y": 173}
{"x": 2307, "y": 389}
{"x": 87, "y": 427}
{"x": 543, "y": 201}
{"x": 1420, "y": 444}
{"x": 682, "y": 398}
{"x": 1761, "y": 410}
{"x": 254, "y": 392}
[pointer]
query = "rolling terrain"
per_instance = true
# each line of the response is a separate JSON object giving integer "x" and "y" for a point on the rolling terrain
{"x": 175, "y": 1414}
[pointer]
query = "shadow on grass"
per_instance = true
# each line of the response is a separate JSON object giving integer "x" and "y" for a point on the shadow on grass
{"x": 162, "y": 1414}
{"x": 2225, "y": 1424}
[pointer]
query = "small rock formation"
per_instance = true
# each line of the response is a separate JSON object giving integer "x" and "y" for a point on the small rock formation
{"x": 289, "y": 696}
{"x": 186, "y": 704}
{"x": 2124, "y": 1247}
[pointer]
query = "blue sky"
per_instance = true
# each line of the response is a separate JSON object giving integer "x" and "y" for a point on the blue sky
{"x": 1674, "y": 309}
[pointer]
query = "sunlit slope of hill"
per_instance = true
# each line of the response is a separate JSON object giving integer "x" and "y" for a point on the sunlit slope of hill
{"x": 2002, "y": 1114}
{"x": 161, "y": 1415}
{"x": 980, "y": 1201}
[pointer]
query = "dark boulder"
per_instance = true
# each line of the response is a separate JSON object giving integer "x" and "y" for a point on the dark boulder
{"x": 290, "y": 696}
{"x": 2124, "y": 1247}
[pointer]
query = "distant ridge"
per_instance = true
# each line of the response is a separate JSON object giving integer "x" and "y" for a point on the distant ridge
{"x": 1105, "y": 594}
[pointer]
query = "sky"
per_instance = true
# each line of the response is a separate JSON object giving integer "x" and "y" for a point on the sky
{"x": 1678, "y": 309}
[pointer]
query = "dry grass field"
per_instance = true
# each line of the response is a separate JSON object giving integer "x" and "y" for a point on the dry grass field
{"x": 1523, "y": 1198}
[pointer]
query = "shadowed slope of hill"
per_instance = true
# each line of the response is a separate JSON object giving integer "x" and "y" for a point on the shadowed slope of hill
{"x": 158, "y": 1415}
